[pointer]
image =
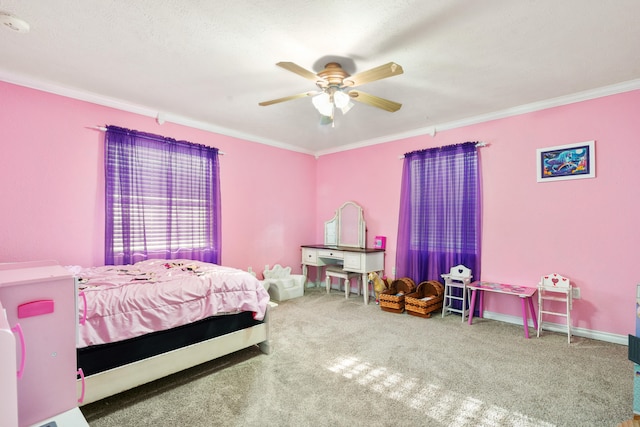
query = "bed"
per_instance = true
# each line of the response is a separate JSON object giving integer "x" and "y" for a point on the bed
{"x": 141, "y": 322}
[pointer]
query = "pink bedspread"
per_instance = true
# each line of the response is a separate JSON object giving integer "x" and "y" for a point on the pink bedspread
{"x": 127, "y": 301}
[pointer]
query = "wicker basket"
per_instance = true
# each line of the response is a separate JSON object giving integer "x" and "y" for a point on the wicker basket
{"x": 392, "y": 299}
{"x": 426, "y": 299}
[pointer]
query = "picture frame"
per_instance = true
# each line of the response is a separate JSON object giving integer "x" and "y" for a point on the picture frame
{"x": 380, "y": 242}
{"x": 564, "y": 162}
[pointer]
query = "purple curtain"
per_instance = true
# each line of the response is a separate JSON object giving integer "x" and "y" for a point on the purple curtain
{"x": 162, "y": 199}
{"x": 440, "y": 212}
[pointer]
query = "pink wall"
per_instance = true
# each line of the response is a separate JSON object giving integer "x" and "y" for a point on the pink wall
{"x": 51, "y": 169}
{"x": 53, "y": 198}
{"x": 584, "y": 229}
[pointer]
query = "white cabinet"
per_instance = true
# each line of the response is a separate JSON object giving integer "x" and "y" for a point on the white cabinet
{"x": 40, "y": 296}
{"x": 309, "y": 256}
{"x": 352, "y": 262}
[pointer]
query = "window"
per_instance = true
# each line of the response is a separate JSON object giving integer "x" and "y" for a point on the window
{"x": 439, "y": 223}
{"x": 162, "y": 198}
{"x": 440, "y": 204}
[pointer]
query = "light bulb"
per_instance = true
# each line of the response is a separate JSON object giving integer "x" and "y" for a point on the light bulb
{"x": 323, "y": 104}
{"x": 341, "y": 99}
{"x": 347, "y": 107}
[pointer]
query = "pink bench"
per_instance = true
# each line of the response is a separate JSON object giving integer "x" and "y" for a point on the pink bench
{"x": 523, "y": 292}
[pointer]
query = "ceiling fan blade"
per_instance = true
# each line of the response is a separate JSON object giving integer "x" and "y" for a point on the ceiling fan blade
{"x": 382, "y": 72}
{"x": 374, "y": 101}
{"x": 288, "y": 98}
{"x": 295, "y": 68}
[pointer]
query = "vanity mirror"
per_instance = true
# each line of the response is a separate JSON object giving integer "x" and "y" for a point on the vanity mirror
{"x": 347, "y": 228}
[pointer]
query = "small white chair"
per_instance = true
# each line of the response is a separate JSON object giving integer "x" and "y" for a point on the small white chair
{"x": 338, "y": 272}
{"x": 457, "y": 278}
{"x": 281, "y": 284}
{"x": 554, "y": 287}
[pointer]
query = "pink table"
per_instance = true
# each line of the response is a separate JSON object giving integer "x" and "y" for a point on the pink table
{"x": 523, "y": 292}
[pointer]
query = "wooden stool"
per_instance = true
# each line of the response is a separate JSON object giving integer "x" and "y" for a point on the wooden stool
{"x": 338, "y": 272}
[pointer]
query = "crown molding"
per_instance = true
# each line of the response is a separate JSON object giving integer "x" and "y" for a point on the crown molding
{"x": 430, "y": 130}
{"x": 509, "y": 112}
{"x": 140, "y": 110}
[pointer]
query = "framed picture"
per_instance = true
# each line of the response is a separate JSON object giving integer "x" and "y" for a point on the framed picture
{"x": 380, "y": 242}
{"x": 571, "y": 161}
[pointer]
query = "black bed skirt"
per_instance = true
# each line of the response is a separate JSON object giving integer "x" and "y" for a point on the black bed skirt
{"x": 98, "y": 358}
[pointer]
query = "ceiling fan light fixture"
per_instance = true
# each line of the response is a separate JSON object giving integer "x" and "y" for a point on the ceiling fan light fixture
{"x": 341, "y": 99}
{"x": 336, "y": 85}
{"x": 323, "y": 104}
{"x": 326, "y": 120}
{"x": 347, "y": 107}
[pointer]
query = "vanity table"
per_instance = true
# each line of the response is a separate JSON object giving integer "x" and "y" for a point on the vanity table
{"x": 354, "y": 260}
{"x": 344, "y": 246}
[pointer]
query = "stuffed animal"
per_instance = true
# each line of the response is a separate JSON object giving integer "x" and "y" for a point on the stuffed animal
{"x": 378, "y": 285}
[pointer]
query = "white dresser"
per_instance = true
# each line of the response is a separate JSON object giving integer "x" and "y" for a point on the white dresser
{"x": 355, "y": 260}
{"x": 40, "y": 298}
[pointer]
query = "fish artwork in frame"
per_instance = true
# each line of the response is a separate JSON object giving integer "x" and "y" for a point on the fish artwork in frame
{"x": 564, "y": 162}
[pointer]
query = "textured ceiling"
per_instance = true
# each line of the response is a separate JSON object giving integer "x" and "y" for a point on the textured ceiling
{"x": 208, "y": 63}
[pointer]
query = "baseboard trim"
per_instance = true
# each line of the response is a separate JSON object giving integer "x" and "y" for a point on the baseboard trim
{"x": 556, "y": 327}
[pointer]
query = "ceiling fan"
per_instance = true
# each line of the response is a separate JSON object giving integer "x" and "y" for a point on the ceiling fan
{"x": 335, "y": 88}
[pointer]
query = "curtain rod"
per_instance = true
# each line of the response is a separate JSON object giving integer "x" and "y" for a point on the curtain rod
{"x": 104, "y": 129}
{"x": 478, "y": 144}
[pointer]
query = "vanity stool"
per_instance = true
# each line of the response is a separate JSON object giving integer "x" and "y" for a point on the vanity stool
{"x": 337, "y": 271}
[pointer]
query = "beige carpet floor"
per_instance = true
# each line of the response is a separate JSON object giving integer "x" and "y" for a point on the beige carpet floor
{"x": 337, "y": 362}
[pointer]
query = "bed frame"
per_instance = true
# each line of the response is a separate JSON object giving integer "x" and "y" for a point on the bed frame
{"x": 116, "y": 380}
